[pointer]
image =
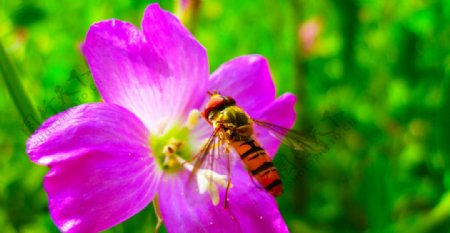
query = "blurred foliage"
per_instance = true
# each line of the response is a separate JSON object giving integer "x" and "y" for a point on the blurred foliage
{"x": 384, "y": 64}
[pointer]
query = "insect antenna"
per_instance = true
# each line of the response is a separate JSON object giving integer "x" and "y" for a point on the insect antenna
{"x": 212, "y": 93}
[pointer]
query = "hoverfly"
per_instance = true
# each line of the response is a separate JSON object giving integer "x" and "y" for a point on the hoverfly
{"x": 234, "y": 128}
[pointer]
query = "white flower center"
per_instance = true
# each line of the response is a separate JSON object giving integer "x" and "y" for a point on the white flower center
{"x": 208, "y": 181}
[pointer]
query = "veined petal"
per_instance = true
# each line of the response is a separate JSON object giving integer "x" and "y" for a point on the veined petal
{"x": 101, "y": 189}
{"x": 186, "y": 58}
{"x": 254, "y": 208}
{"x": 101, "y": 169}
{"x": 183, "y": 209}
{"x": 250, "y": 209}
{"x": 280, "y": 112}
{"x": 159, "y": 74}
{"x": 71, "y": 133}
{"x": 125, "y": 68}
{"x": 248, "y": 80}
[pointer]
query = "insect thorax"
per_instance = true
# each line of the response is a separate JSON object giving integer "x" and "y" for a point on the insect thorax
{"x": 236, "y": 124}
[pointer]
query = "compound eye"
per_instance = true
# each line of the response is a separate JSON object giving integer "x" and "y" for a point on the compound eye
{"x": 229, "y": 100}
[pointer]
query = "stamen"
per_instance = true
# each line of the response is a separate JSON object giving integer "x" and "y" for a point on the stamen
{"x": 170, "y": 153}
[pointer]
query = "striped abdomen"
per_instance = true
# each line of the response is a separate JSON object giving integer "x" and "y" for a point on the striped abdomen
{"x": 259, "y": 164}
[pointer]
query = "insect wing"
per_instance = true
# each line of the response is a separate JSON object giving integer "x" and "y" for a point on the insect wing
{"x": 214, "y": 156}
{"x": 308, "y": 143}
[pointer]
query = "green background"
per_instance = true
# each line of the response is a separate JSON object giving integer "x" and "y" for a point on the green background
{"x": 382, "y": 67}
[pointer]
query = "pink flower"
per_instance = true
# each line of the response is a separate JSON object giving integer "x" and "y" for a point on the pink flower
{"x": 107, "y": 160}
{"x": 308, "y": 34}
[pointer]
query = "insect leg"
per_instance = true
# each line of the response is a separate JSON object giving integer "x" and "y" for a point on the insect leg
{"x": 229, "y": 178}
{"x": 253, "y": 180}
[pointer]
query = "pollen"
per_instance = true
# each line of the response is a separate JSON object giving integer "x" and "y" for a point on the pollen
{"x": 170, "y": 154}
{"x": 193, "y": 117}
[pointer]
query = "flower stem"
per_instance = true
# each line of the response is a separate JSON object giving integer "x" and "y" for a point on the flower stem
{"x": 188, "y": 12}
{"x": 17, "y": 93}
{"x": 158, "y": 214}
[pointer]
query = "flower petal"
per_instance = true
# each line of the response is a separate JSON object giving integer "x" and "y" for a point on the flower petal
{"x": 101, "y": 170}
{"x": 185, "y": 56}
{"x": 280, "y": 112}
{"x": 183, "y": 209}
{"x": 158, "y": 76}
{"x": 248, "y": 80}
{"x": 254, "y": 208}
{"x": 69, "y": 134}
{"x": 186, "y": 210}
